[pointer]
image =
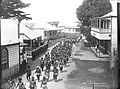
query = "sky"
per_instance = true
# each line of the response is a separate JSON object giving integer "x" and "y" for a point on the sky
{"x": 53, "y": 10}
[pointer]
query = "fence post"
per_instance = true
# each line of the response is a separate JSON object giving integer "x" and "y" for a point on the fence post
{"x": 93, "y": 85}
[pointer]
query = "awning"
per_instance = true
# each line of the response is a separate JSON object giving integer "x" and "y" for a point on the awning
{"x": 23, "y": 44}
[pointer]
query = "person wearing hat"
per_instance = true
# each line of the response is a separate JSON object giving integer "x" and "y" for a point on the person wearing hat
{"x": 61, "y": 65}
{"x": 44, "y": 83}
{"x": 20, "y": 84}
{"x": 55, "y": 73}
{"x": 47, "y": 74}
{"x": 38, "y": 72}
{"x": 28, "y": 73}
{"x": 32, "y": 83}
{"x": 11, "y": 84}
{"x": 42, "y": 64}
{"x": 48, "y": 65}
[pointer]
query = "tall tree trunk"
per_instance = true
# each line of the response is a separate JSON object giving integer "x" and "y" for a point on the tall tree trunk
{"x": 19, "y": 29}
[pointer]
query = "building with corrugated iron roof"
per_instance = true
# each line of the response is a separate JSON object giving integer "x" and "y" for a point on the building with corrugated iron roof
{"x": 9, "y": 48}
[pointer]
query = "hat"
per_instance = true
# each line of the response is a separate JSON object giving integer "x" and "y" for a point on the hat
{"x": 19, "y": 78}
{"x": 32, "y": 77}
{"x": 37, "y": 67}
{"x": 28, "y": 66}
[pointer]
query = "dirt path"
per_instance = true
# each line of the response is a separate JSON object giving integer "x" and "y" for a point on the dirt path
{"x": 89, "y": 70}
{"x": 63, "y": 77}
{"x": 51, "y": 84}
{"x": 80, "y": 72}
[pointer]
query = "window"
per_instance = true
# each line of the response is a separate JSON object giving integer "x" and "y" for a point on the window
{"x": 98, "y": 23}
{"x": 102, "y": 24}
{"x": 91, "y": 23}
{"x": 27, "y": 42}
{"x": 45, "y": 33}
{"x": 50, "y": 33}
{"x": 55, "y": 32}
{"x": 4, "y": 58}
{"x": 108, "y": 24}
{"x": 95, "y": 23}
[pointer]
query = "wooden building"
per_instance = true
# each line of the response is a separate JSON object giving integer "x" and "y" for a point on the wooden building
{"x": 71, "y": 29}
{"x": 47, "y": 31}
{"x": 9, "y": 48}
{"x": 31, "y": 40}
{"x": 104, "y": 33}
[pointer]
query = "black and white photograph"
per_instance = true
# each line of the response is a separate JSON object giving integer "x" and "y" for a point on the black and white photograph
{"x": 59, "y": 44}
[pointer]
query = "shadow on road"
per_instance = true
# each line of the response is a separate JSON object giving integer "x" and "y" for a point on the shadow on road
{"x": 64, "y": 71}
{"x": 78, "y": 54}
{"x": 69, "y": 62}
{"x": 50, "y": 80}
{"x": 59, "y": 80}
{"x": 67, "y": 66}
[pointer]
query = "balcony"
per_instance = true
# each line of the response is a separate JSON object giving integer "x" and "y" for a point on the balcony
{"x": 101, "y": 28}
{"x": 101, "y": 35}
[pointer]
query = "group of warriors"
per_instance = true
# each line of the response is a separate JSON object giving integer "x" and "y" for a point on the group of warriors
{"x": 54, "y": 61}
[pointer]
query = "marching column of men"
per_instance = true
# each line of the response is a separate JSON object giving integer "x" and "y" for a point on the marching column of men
{"x": 54, "y": 61}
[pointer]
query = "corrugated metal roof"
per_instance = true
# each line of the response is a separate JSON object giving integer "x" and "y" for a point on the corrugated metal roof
{"x": 114, "y": 9}
{"x": 9, "y": 31}
{"x": 107, "y": 16}
{"x": 44, "y": 25}
{"x": 72, "y": 27}
{"x": 67, "y": 24}
{"x": 23, "y": 44}
{"x": 28, "y": 32}
{"x": 111, "y": 14}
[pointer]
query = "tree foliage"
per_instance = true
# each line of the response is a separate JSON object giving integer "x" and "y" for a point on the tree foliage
{"x": 92, "y": 8}
{"x": 13, "y": 9}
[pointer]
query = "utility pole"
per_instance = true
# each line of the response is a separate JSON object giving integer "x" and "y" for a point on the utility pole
{"x": 0, "y": 52}
{"x": 0, "y": 46}
{"x": 118, "y": 29}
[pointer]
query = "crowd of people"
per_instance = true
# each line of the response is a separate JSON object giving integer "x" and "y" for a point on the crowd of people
{"x": 54, "y": 61}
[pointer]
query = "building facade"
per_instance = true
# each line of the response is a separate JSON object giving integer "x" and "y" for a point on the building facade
{"x": 101, "y": 34}
{"x": 10, "y": 60}
{"x": 105, "y": 29}
{"x": 71, "y": 29}
{"x": 47, "y": 31}
{"x": 9, "y": 48}
{"x": 104, "y": 34}
{"x": 31, "y": 40}
{"x": 48, "y": 34}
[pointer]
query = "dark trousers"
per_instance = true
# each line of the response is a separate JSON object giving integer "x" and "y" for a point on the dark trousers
{"x": 55, "y": 77}
{"x": 42, "y": 67}
{"x": 32, "y": 87}
{"x": 38, "y": 77}
{"x": 61, "y": 68}
{"x": 28, "y": 76}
